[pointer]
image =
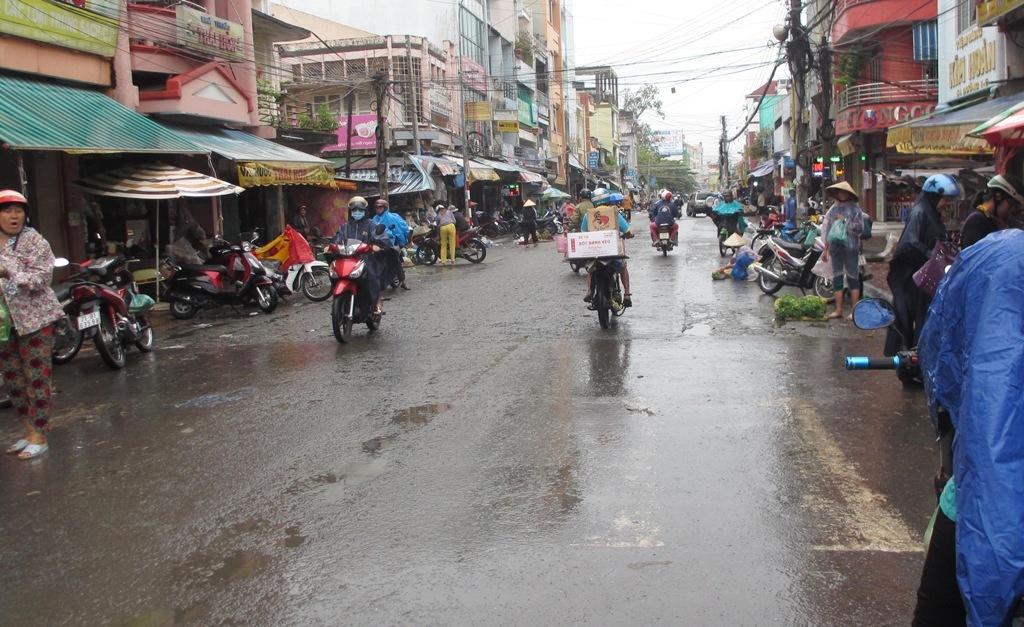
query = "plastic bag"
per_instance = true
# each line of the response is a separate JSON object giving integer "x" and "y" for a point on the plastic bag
{"x": 823, "y": 269}
{"x": 837, "y": 232}
{"x": 5, "y": 321}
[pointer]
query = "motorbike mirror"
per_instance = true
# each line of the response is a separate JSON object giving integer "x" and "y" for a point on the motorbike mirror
{"x": 61, "y": 262}
{"x": 316, "y": 232}
{"x": 380, "y": 229}
{"x": 873, "y": 313}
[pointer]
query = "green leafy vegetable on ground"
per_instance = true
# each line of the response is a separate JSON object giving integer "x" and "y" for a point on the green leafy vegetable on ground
{"x": 789, "y": 307}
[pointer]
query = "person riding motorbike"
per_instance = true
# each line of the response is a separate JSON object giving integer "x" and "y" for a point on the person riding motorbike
{"x": 1003, "y": 195}
{"x": 728, "y": 211}
{"x": 362, "y": 228}
{"x": 596, "y": 219}
{"x": 664, "y": 212}
{"x": 398, "y": 231}
{"x": 583, "y": 204}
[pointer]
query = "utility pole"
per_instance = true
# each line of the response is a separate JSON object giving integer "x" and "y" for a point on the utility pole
{"x": 348, "y": 133}
{"x": 827, "y": 130}
{"x": 412, "y": 96}
{"x": 798, "y": 65}
{"x": 380, "y": 88}
{"x": 465, "y": 135}
{"x": 723, "y": 159}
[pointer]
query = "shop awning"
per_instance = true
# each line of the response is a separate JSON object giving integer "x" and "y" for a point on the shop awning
{"x": 948, "y": 132}
{"x": 260, "y": 162}
{"x": 763, "y": 169}
{"x": 36, "y": 115}
{"x": 1004, "y": 129}
{"x": 574, "y": 162}
{"x": 525, "y": 176}
{"x": 846, "y": 145}
{"x": 443, "y": 166}
{"x": 156, "y": 181}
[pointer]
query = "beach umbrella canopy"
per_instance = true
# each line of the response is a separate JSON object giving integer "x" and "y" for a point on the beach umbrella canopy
{"x": 552, "y": 194}
{"x": 156, "y": 181}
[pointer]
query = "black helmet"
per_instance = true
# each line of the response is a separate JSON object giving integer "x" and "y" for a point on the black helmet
{"x": 585, "y": 193}
{"x": 380, "y": 202}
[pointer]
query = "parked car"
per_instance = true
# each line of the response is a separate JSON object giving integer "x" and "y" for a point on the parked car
{"x": 702, "y": 203}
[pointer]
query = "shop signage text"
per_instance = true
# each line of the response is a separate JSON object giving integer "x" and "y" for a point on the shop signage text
{"x": 881, "y": 116}
{"x": 989, "y": 11}
{"x": 474, "y": 75}
{"x": 363, "y": 133}
{"x": 508, "y": 127}
{"x": 59, "y": 25}
{"x": 201, "y": 31}
{"x": 440, "y": 101}
{"x": 975, "y": 64}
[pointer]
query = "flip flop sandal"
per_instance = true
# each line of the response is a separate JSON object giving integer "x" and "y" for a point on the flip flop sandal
{"x": 32, "y": 451}
{"x": 17, "y": 447}
{"x": 587, "y": 299}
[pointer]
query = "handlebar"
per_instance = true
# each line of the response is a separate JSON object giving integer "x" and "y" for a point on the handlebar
{"x": 872, "y": 363}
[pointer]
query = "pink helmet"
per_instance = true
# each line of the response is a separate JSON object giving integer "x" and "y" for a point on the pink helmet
{"x": 8, "y": 196}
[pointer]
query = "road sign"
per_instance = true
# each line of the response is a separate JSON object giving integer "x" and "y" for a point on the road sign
{"x": 592, "y": 158}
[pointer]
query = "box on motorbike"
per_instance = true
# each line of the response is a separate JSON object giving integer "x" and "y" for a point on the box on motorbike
{"x": 593, "y": 244}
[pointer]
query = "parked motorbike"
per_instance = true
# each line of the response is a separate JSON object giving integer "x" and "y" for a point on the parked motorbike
{"x": 352, "y": 302}
{"x": 312, "y": 278}
{"x": 790, "y": 264}
{"x": 664, "y": 243}
{"x": 103, "y": 302}
{"x": 469, "y": 245}
{"x": 423, "y": 252}
{"x": 551, "y": 223}
{"x": 233, "y": 277}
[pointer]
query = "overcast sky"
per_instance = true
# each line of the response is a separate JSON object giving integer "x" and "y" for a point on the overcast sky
{"x": 713, "y": 52}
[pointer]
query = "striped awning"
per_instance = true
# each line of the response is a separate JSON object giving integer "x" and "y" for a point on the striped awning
{"x": 156, "y": 181}
{"x": 443, "y": 166}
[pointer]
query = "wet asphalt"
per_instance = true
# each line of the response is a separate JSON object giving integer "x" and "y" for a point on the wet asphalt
{"x": 489, "y": 456}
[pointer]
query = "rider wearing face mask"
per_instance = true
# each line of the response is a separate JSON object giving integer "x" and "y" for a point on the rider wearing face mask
{"x": 361, "y": 227}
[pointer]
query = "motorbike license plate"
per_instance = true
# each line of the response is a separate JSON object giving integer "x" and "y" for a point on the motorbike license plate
{"x": 90, "y": 319}
{"x": 664, "y": 237}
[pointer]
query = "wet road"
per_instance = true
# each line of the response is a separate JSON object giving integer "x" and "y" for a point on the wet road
{"x": 489, "y": 456}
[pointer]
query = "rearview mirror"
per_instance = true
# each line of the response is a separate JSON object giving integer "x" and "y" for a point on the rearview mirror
{"x": 873, "y": 313}
{"x": 380, "y": 229}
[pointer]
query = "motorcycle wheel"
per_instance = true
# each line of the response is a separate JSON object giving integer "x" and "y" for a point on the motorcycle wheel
{"x": 395, "y": 282}
{"x": 108, "y": 344}
{"x": 316, "y": 284}
{"x": 575, "y": 267}
{"x": 71, "y": 339}
{"x": 373, "y": 322}
{"x": 824, "y": 288}
{"x": 767, "y": 284}
{"x": 475, "y": 251}
{"x": 664, "y": 251}
{"x": 266, "y": 298}
{"x": 757, "y": 242}
{"x": 722, "y": 249}
{"x": 182, "y": 310}
{"x": 341, "y": 324}
{"x": 603, "y": 303}
{"x": 146, "y": 338}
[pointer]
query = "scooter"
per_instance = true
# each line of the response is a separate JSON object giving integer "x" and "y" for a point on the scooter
{"x": 551, "y": 223}
{"x": 468, "y": 245}
{"x": 103, "y": 302}
{"x": 233, "y": 277}
{"x": 664, "y": 242}
{"x": 312, "y": 278}
{"x": 607, "y": 299}
{"x": 789, "y": 264}
{"x": 352, "y": 302}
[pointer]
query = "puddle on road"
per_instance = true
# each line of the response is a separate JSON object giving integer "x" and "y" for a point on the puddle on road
{"x": 292, "y": 538}
{"x": 211, "y": 399}
{"x": 421, "y": 414}
{"x": 238, "y": 565}
{"x": 163, "y": 617}
{"x": 698, "y": 330}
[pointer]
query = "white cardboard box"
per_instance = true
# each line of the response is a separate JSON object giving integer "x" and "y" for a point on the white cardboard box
{"x": 593, "y": 244}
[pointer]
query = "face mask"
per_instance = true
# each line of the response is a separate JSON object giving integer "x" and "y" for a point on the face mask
{"x": 357, "y": 215}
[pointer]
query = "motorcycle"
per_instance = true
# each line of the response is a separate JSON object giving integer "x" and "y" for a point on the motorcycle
{"x": 551, "y": 223}
{"x": 352, "y": 302}
{"x": 786, "y": 263}
{"x": 468, "y": 245}
{"x": 312, "y": 278}
{"x": 102, "y": 302}
{"x": 423, "y": 253}
{"x": 664, "y": 242}
{"x": 233, "y": 277}
{"x": 607, "y": 299}
{"x": 726, "y": 224}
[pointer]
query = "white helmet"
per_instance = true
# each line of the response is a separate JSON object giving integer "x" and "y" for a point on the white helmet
{"x": 665, "y": 194}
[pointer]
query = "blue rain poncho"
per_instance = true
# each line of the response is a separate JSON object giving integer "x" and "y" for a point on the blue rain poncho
{"x": 972, "y": 356}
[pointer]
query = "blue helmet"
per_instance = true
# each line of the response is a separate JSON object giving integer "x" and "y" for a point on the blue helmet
{"x": 604, "y": 196}
{"x": 943, "y": 185}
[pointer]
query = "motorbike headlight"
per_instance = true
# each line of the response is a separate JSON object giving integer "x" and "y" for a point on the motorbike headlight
{"x": 358, "y": 270}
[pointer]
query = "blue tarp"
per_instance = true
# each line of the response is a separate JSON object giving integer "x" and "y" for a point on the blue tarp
{"x": 972, "y": 357}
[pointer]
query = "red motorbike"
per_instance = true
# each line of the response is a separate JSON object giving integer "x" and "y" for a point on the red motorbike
{"x": 468, "y": 245}
{"x": 352, "y": 301}
{"x": 233, "y": 276}
{"x": 103, "y": 302}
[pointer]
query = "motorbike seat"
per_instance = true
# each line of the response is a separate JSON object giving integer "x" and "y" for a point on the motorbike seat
{"x": 792, "y": 247}
{"x": 62, "y": 290}
{"x": 204, "y": 267}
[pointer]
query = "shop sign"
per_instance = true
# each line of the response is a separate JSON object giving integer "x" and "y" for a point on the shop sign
{"x": 363, "y": 132}
{"x": 58, "y": 24}
{"x": 213, "y": 35}
{"x": 880, "y": 116}
{"x": 975, "y": 64}
{"x": 990, "y": 11}
{"x": 478, "y": 111}
{"x": 526, "y": 113}
{"x": 440, "y": 101}
{"x": 474, "y": 75}
{"x": 256, "y": 174}
{"x": 508, "y": 127}
{"x": 592, "y": 159}
{"x": 505, "y": 115}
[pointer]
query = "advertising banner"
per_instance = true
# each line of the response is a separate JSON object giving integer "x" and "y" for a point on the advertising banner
{"x": 363, "y": 132}
{"x": 478, "y": 111}
{"x": 592, "y": 159}
{"x": 508, "y": 127}
{"x": 91, "y": 28}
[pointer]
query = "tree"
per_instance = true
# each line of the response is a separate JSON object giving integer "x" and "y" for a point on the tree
{"x": 639, "y": 102}
{"x": 671, "y": 174}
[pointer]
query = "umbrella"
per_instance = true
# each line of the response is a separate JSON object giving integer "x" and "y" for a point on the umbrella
{"x": 552, "y": 194}
{"x": 157, "y": 181}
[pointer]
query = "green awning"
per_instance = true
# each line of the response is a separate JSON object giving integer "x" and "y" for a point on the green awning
{"x": 36, "y": 115}
{"x": 242, "y": 146}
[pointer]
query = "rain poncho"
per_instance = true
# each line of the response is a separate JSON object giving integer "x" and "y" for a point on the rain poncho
{"x": 728, "y": 208}
{"x": 398, "y": 229}
{"x": 972, "y": 356}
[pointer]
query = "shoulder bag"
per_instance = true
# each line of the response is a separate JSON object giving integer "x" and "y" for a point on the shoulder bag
{"x": 928, "y": 276}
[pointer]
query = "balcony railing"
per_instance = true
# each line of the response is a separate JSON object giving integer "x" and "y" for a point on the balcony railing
{"x": 876, "y": 93}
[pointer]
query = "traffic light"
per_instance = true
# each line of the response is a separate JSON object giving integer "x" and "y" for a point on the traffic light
{"x": 510, "y": 190}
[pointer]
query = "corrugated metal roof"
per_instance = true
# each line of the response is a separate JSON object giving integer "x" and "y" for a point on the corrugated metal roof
{"x": 35, "y": 115}
{"x": 242, "y": 146}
